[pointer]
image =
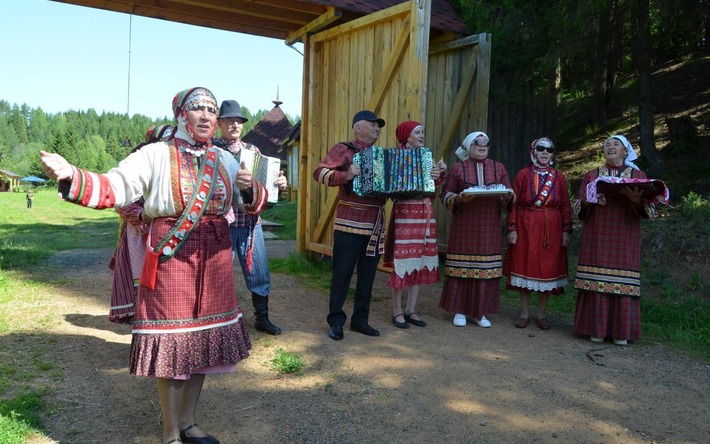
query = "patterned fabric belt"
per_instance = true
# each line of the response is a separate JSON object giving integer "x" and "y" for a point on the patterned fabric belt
{"x": 377, "y": 238}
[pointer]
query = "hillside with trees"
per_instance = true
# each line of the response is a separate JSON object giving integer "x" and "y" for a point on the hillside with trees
{"x": 593, "y": 63}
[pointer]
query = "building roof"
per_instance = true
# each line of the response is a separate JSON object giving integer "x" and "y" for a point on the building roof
{"x": 269, "y": 132}
{"x": 443, "y": 16}
{"x": 288, "y": 20}
{"x": 294, "y": 135}
{"x": 9, "y": 174}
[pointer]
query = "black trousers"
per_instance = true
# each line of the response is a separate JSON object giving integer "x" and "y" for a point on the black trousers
{"x": 349, "y": 251}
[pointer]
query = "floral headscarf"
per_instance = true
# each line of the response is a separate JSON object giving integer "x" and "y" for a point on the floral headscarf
{"x": 186, "y": 100}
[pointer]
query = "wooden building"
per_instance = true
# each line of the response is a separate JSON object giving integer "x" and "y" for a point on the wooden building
{"x": 403, "y": 60}
{"x": 268, "y": 133}
{"x": 9, "y": 181}
{"x": 291, "y": 147}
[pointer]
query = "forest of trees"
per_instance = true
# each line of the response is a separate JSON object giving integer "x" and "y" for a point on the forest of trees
{"x": 90, "y": 140}
{"x": 557, "y": 50}
{"x": 581, "y": 49}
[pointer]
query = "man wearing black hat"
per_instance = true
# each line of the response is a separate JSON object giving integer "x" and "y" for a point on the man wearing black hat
{"x": 247, "y": 235}
{"x": 358, "y": 238}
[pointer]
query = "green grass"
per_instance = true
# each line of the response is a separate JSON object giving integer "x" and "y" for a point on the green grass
{"x": 313, "y": 272}
{"x": 19, "y": 417}
{"x": 285, "y": 362}
{"x": 284, "y": 213}
{"x": 27, "y": 238}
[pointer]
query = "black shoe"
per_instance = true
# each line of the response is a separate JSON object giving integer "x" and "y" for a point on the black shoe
{"x": 207, "y": 439}
{"x": 336, "y": 332}
{"x": 398, "y": 324}
{"x": 364, "y": 329}
{"x": 418, "y": 322}
{"x": 266, "y": 326}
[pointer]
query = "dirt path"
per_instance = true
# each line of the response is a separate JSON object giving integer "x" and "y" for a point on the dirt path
{"x": 422, "y": 385}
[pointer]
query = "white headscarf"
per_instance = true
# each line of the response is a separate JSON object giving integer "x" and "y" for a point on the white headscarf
{"x": 630, "y": 153}
{"x": 466, "y": 144}
{"x": 465, "y": 149}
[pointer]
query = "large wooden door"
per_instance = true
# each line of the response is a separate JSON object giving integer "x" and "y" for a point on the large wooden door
{"x": 457, "y": 103}
{"x": 377, "y": 62}
{"x": 383, "y": 62}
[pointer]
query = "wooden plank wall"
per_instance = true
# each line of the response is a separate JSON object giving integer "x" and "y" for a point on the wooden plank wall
{"x": 513, "y": 126}
{"x": 384, "y": 62}
{"x": 457, "y": 103}
{"x": 362, "y": 64}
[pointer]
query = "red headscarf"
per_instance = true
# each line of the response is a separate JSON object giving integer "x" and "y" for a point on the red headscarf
{"x": 404, "y": 130}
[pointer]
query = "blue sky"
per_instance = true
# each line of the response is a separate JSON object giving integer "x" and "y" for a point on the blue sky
{"x": 60, "y": 57}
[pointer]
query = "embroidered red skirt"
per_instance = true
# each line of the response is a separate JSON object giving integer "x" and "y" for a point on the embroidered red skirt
{"x": 191, "y": 321}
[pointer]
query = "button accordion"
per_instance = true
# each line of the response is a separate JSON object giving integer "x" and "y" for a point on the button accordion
{"x": 397, "y": 173}
{"x": 264, "y": 169}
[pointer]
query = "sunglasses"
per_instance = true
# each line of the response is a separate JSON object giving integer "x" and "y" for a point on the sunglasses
{"x": 484, "y": 142}
{"x": 540, "y": 149}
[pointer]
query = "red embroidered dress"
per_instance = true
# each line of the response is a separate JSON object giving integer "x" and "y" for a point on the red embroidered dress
{"x": 609, "y": 270}
{"x": 474, "y": 262}
{"x": 191, "y": 321}
{"x": 541, "y": 213}
{"x": 411, "y": 248}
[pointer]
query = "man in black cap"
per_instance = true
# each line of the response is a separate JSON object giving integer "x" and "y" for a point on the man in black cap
{"x": 358, "y": 238}
{"x": 246, "y": 231}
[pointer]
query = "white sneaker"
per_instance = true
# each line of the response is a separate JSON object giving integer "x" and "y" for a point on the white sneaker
{"x": 620, "y": 342}
{"x": 460, "y": 320}
{"x": 483, "y": 322}
{"x": 595, "y": 339}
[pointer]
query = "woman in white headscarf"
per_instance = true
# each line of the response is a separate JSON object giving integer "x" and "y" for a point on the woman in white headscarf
{"x": 608, "y": 274}
{"x": 474, "y": 261}
{"x": 187, "y": 320}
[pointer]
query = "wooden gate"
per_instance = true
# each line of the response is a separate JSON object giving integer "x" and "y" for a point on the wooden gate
{"x": 383, "y": 62}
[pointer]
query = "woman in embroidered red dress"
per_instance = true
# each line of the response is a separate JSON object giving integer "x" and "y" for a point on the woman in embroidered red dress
{"x": 609, "y": 270}
{"x": 539, "y": 225}
{"x": 411, "y": 248}
{"x": 474, "y": 259}
{"x": 187, "y": 322}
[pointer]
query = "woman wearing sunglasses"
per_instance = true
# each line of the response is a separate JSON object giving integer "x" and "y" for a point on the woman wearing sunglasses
{"x": 539, "y": 226}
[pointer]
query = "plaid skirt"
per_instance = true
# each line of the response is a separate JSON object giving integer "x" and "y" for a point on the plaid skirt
{"x": 606, "y": 315}
{"x": 191, "y": 321}
{"x": 472, "y": 297}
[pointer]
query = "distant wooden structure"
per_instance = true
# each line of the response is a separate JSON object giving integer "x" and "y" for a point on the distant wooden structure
{"x": 268, "y": 133}
{"x": 291, "y": 147}
{"x": 8, "y": 181}
{"x": 413, "y": 60}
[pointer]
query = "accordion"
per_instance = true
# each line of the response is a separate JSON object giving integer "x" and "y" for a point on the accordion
{"x": 398, "y": 173}
{"x": 264, "y": 169}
